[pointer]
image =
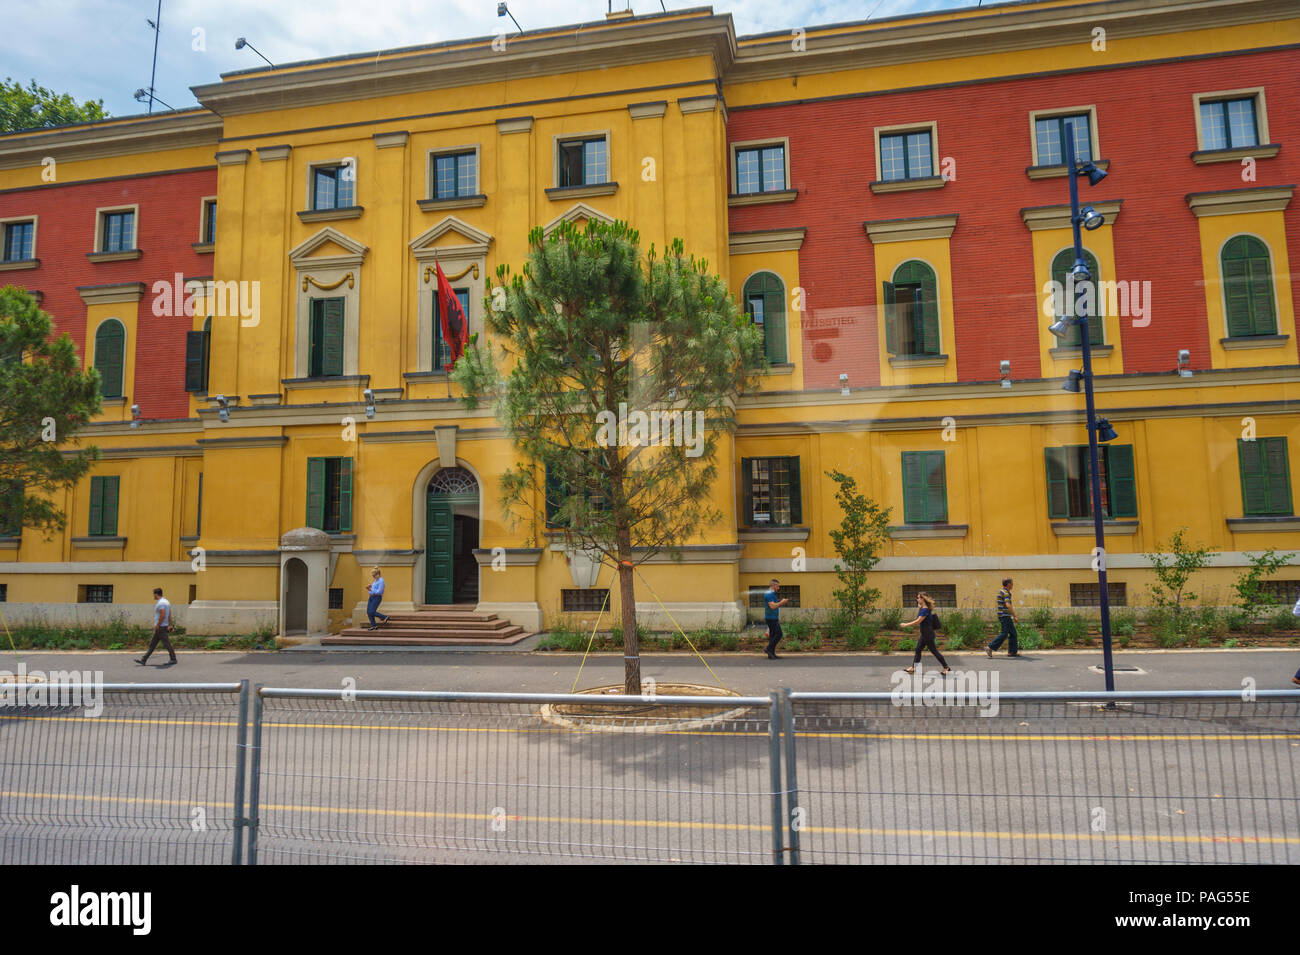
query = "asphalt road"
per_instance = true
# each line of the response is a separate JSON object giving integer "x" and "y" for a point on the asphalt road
{"x": 152, "y": 779}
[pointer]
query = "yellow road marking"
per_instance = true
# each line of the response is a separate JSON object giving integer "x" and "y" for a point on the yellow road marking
{"x": 687, "y": 825}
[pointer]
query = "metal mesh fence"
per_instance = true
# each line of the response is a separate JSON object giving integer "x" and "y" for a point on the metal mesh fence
{"x": 151, "y": 778}
{"x": 1058, "y": 780}
{"x": 446, "y": 778}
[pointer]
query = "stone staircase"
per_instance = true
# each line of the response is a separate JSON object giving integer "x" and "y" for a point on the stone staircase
{"x": 431, "y": 626}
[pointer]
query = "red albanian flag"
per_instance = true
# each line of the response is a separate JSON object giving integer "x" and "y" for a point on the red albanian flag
{"x": 455, "y": 326}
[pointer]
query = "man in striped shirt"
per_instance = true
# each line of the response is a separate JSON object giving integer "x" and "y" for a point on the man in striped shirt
{"x": 1007, "y": 618}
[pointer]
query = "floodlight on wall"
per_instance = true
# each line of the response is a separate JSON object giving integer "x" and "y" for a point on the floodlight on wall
{"x": 1072, "y": 383}
{"x": 223, "y": 408}
{"x": 1061, "y": 327}
{"x": 135, "y": 416}
{"x": 844, "y": 384}
{"x": 370, "y": 402}
{"x": 1090, "y": 169}
{"x": 1092, "y": 219}
{"x": 1184, "y": 363}
{"x": 1104, "y": 431}
{"x": 1004, "y": 371}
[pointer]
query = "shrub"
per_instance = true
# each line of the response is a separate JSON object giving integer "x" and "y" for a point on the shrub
{"x": 729, "y": 641}
{"x": 1230, "y": 642}
{"x": 1237, "y": 620}
{"x": 890, "y": 618}
{"x": 1203, "y": 642}
{"x": 1030, "y": 638}
{"x": 1208, "y": 622}
{"x": 838, "y": 624}
{"x": 798, "y": 629}
{"x": 907, "y": 644}
{"x": 859, "y": 542}
{"x": 1067, "y": 630}
{"x": 1124, "y": 640}
{"x": 883, "y": 644}
{"x": 793, "y": 645}
{"x": 1041, "y": 617}
{"x": 1123, "y": 623}
{"x": 1174, "y": 564}
{"x": 1249, "y": 585}
{"x": 1284, "y": 620}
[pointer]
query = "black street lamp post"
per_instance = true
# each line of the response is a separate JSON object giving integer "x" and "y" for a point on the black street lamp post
{"x": 1083, "y": 279}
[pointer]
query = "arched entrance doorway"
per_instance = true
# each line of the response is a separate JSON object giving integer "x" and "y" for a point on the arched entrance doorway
{"x": 295, "y": 596}
{"x": 451, "y": 535}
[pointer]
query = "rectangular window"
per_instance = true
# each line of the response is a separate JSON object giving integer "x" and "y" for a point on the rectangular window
{"x": 760, "y": 169}
{"x": 329, "y": 494}
{"x": 332, "y": 186}
{"x": 325, "y": 349}
{"x": 925, "y": 488}
{"x": 118, "y": 232}
{"x": 442, "y": 350}
{"x": 455, "y": 175}
{"x": 943, "y": 595}
{"x": 4, "y": 593}
{"x": 209, "y": 225}
{"x": 1069, "y": 494}
{"x": 103, "y": 506}
{"x": 336, "y": 598}
{"x": 783, "y": 592}
{"x": 197, "y": 345}
{"x": 1265, "y": 477}
{"x": 1229, "y": 123}
{"x": 584, "y": 162}
{"x": 95, "y": 594}
{"x": 18, "y": 241}
{"x": 1089, "y": 595}
{"x": 1050, "y": 134}
{"x": 557, "y": 492}
{"x": 906, "y": 156}
{"x": 584, "y": 601}
{"x": 771, "y": 492}
{"x": 1281, "y": 591}
{"x": 11, "y": 508}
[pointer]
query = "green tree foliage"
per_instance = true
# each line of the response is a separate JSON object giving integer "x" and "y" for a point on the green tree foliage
{"x": 594, "y": 332}
{"x": 1249, "y": 585}
{"x": 1174, "y": 564}
{"x": 858, "y": 543}
{"x": 35, "y": 107}
{"x": 44, "y": 398}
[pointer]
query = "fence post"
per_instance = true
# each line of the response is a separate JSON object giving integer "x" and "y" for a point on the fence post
{"x": 791, "y": 777}
{"x": 256, "y": 772}
{"x": 241, "y": 747}
{"x": 774, "y": 760}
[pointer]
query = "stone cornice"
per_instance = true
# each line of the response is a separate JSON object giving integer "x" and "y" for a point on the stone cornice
{"x": 768, "y": 240}
{"x": 273, "y": 153}
{"x": 1232, "y": 201}
{"x": 910, "y": 229}
{"x": 459, "y": 63}
{"x": 111, "y": 294}
{"x": 1058, "y": 217}
{"x": 647, "y": 110}
{"x": 115, "y": 137}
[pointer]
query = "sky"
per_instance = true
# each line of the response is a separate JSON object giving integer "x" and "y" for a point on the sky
{"x": 103, "y": 49}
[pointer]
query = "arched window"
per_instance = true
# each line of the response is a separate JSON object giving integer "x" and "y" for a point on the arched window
{"x": 1061, "y": 266}
{"x": 1248, "y": 288}
{"x": 764, "y": 295}
{"x": 912, "y": 310}
{"x": 110, "y": 357}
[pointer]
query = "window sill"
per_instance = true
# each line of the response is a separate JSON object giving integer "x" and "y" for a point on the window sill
{"x": 10, "y": 543}
{"x": 1264, "y": 151}
{"x": 329, "y": 215}
{"x": 558, "y": 193}
{"x": 908, "y": 185}
{"x": 1069, "y": 352}
{"x": 204, "y": 248}
{"x": 332, "y": 381}
{"x": 263, "y": 401}
{"x": 113, "y": 256}
{"x": 15, "y": 265}
{"x": 778, "y": 368}
{"x": 117, "y": 401}
{"x": 1270, "y": 524}
{"x": 917, "y": 361}
{"x": 1254, "y": 341}
{"x": 754, "y": 534}
{"x": 1085, "y": 528}
{"x": 424, "y": 375}
{"x": 1058, "y": 171}
{"x": 928, "y": 531}
{"x": 762, "y": 198}
{"x": 99, "y": 542}
{"x": 458, "y": 202}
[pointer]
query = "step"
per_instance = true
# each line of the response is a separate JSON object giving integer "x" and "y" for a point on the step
{"x": 456, "y": 618}
{"x": 390, "y": 639}
{"x": 433, "y": 632}
{"x": 477, "y": 626}
{"x": 449, "y": 608}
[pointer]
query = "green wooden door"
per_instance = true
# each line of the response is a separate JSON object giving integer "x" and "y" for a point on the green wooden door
{"x": 438, "y": 554}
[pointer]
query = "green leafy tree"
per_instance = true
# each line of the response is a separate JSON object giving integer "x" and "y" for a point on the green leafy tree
{"x": 858, "y": 543}
{"x": 1249, "y": 585}
{"x": 45, "y": 398}
{"x": 594, "y": 334}
{"x": 35, "y": 107}
{"x": 1174, "y": 564}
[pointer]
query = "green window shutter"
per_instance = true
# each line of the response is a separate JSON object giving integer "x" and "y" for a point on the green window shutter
{"x": 936, "y": 487}
{"x": 929, "y": 313}
{"x": 1236, "y": 291}
{"x": 315, "y": 338}
{"x": 196, "y": 361}
{"x": 110, "y": 506}
{"x": 1058, "y": 492}
{"x": 796, "y": 493}
{"x": 332, "y": 337}
{"x": 890, "y": 314}
{"x": 747, "y": 491}
{"x": 110, "y": 348}
{"x": 316, "y": 493}
{"x": 1248, "y": 287}
{"x": 913, "y": 487}
{"x": 769, "y": 288}
{"x": 96, "y": 507}
{"x": 1277, "y": 474}
{"x": 554, "y": 493}
{"x": 1061, "y": 266}
{"x": 1260, "y": 280}
{"x": 11, "y": 508}
{"x": 1122, "y": 480}
{"x": 1254, "y": 489}
{"x": 345, "y": 494}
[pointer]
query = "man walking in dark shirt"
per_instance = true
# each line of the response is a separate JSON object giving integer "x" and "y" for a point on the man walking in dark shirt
{"x": 1007, "y": 618}
{"x": 772, "y": 615}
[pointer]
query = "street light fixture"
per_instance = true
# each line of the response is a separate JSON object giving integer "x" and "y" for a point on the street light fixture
{"x": 1104, "y": 431}
{"x": 1090, "y": 219}
{"x": 1061, "y": 327}
{"x": 241, "y": 43}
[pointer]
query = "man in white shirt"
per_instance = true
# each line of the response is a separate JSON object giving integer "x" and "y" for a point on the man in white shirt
{"x": 162, "y": 625}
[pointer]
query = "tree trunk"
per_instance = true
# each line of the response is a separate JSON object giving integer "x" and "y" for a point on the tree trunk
{"x": 627, "y": 596}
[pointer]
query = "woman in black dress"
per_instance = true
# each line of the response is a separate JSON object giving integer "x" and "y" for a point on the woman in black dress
{"x": 924, "y": 617}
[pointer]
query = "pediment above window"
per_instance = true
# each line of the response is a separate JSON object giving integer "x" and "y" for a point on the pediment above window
{"x": 328, "y": 248}
{"x": 450, "y": 238}
{"x": 578, "y": 214}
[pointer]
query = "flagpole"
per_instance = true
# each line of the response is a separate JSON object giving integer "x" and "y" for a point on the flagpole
{"x": 437, "y": 269}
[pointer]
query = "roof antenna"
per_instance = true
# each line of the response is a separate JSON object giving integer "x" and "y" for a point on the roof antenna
{"x": 153, "y": 75}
